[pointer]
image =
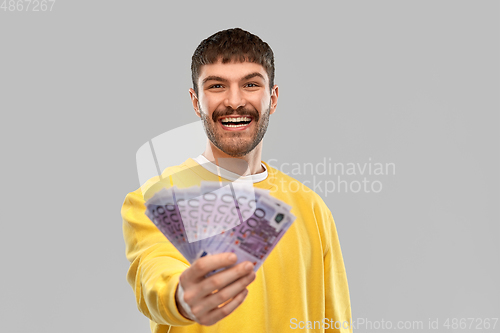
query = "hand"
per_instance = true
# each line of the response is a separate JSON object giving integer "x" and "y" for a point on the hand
{"x": 213, "y": 298}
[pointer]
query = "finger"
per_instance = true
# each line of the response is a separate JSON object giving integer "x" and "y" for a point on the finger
{"x": 226, "y": 294}
{"x": 222, "y": 279}
{"x": 199, "y": 297}
{"x": 222, "y": 312}
{"x": 204, "y": 265}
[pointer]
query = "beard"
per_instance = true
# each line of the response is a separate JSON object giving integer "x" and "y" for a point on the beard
{"x": 236, "y": 143}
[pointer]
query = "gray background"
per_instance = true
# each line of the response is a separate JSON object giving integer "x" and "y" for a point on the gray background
{"x": 415, "y": 83}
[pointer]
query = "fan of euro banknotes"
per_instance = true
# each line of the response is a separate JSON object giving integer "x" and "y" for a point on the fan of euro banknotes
{"x": 220, "y": 217}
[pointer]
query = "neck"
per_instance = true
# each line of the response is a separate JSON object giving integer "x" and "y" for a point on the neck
{"x": 249, "y": 164}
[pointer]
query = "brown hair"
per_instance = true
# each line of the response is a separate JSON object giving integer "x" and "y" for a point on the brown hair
{"x": 232, "y": 45}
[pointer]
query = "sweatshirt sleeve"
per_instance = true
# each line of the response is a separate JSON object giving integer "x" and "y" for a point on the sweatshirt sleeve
{"x": 155, "y": 264}
{"x": 337, "y": 301}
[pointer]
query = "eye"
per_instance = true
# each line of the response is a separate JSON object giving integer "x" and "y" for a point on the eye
{"x": 215, "y": 86}
{"x": 252, "y": 85}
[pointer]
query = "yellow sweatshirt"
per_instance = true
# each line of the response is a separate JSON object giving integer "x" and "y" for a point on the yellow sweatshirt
{"x": 302, "y": 286}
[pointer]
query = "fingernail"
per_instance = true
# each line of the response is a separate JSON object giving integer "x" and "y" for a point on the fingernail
{"x": 231, "y": 257}
{"x": 248, "y": 266}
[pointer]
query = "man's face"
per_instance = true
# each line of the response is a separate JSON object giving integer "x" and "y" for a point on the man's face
{"x": 234, "y": 103}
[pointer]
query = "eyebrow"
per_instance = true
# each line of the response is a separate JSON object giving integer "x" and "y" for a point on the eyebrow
{"x": 249, "y": 76}
{"x": 218, "y": 78}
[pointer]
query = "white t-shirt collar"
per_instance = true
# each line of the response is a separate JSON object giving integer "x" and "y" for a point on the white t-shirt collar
{"x": 213, "y": 168}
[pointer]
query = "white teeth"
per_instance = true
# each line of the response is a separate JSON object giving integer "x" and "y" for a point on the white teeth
{"x": 234, "y": 120}
{"x": 234, "y": 125}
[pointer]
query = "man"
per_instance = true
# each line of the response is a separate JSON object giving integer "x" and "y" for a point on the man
{"x": 302, "y": 284}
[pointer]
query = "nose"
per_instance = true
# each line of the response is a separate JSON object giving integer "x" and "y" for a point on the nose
{"x": 234, "y": 99}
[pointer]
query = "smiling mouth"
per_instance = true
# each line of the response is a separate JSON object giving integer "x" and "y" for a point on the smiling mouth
{"x": 235, "y": 122}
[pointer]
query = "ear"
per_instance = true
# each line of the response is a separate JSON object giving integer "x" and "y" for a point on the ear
{"x": 274, "y": 99}
{"x": 194, "y": 100}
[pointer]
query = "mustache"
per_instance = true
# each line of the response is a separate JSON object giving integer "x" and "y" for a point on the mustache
{"x": 242, "y": 111}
